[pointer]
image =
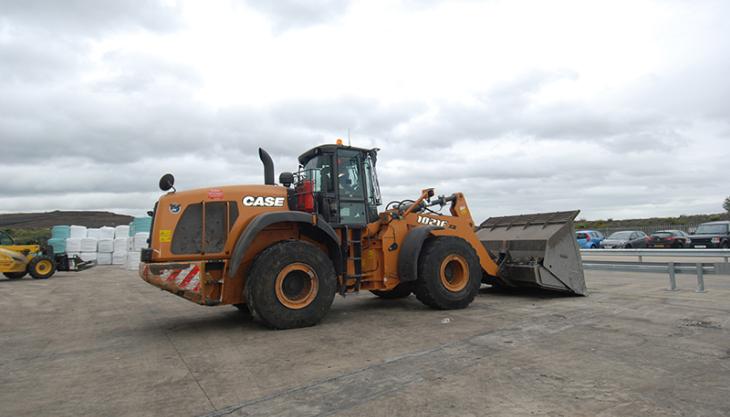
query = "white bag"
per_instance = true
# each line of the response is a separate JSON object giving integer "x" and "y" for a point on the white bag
{"x": 107, "y": 232}
{"x": 133, "y": 259}
{"x": 77, "y": 231}
{"x": 119, "y": 258}
{"x": 120, "y": 244}
{"x": 94, "y": 233}
{"x": 103, "y": 258}
{"x": 121, "y": 231}
{"x": 88, "y": 244}
{"x": 140, "y": 241}
{"x": 73, "y": 245}
{"x": 105, "y": 246}
{"x": 88, "y": 256}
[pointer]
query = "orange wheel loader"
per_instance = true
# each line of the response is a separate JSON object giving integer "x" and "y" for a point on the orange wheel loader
{"x": 284, "y": 251}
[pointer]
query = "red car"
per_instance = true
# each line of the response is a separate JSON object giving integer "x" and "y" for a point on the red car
{"x": 669, "y": 239}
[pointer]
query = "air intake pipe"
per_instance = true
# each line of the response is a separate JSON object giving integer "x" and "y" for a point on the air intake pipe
{"x": 268, "y": 167}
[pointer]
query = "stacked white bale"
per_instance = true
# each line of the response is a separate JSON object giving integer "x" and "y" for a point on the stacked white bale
{"x": 105, "y": 246}
{"x": 121, "y": 231}
{"x": 120, "y": 244}
{"x": 77, "y": 231}
{"x": 93, "y": 233}
{"x": 73, "y": 245}
{"x": 104, "y": 258}
{"x": 140, "y": 241}
{"x": 133, "y": 259}
{"x": 88, "y": 244}
{"x": 87, "y": 256}
{"x": 88, "y": 248}
{"x": 120, "y": 250}
{"x": 119, "y": 258}
{"x": 136, "y": 244}
{"x": 107, "y": 232}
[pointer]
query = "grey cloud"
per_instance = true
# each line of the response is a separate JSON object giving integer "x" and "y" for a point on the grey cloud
{"x": 656, "y": 147}
{"x": 88, "y": 17}
{"x": 292, "y": 14}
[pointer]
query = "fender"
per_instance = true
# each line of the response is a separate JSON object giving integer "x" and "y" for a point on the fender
{"x": 411, "y": 250}
{"x": 264, "y": 220}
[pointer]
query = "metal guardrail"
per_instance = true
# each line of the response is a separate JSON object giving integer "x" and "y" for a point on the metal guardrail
{"x": 672, "y": 268}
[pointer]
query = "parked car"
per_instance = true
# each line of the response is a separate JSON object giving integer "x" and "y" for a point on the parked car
{"x": 669, "y": 239}
{"x": 711, "y": 235}
{"x": 627, "y": 239}
{"x": 589, "y": 239}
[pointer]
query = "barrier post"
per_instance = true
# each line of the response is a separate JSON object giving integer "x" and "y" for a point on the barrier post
{"x": 700, "y": 279}
{"x": 672, "y": 277}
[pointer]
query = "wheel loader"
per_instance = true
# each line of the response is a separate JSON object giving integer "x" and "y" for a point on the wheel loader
{"x": 284, "y": 251}
{"x": 41, "y": 263}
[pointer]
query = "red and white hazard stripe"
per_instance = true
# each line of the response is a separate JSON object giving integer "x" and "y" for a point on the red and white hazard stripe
{"x": 188, "y": 278}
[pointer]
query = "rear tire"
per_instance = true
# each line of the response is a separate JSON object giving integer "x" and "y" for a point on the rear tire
{"x": 41, "y": 267}
{"x": 14, "y": 275}
{"x": 402, "y": 290}
{"x": 290, "y": 284}
{"x": 449, "y": 275}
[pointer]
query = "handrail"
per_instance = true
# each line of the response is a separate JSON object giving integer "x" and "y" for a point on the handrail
{"x": 641, "y": 253}
{"x": 671, "y": 267}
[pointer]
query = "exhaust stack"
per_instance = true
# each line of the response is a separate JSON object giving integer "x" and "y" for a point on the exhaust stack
{"x": 268, "y": 167}
{"x": 535, "y": 250}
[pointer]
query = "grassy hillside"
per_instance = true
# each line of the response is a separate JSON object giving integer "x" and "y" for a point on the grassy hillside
{"x": 652, "y": 222}
{"x": 48, "y": 219}
{"x": 28, "y": 228}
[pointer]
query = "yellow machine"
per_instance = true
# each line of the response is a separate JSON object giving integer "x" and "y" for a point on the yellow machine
{"x": 284, "y": 251}
{"x": 18, "y": 260}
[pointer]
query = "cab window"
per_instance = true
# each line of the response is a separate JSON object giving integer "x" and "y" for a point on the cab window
{"x": 319, "y": 170}
{"x": 348, "y": 175}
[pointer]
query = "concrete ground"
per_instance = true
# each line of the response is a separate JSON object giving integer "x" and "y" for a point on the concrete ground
{"x": 105, "y": 343}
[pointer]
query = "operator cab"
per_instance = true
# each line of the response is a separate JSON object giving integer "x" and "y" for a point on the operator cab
{"x": 339, "y": 183}
{"x": 5, "y": 239}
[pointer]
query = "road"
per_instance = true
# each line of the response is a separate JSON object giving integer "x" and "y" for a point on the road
{"x": 104, "y": 343}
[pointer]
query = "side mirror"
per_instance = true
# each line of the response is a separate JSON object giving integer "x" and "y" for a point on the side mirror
{"x": 286, "y": 179}
{"x": 167, "y": 182}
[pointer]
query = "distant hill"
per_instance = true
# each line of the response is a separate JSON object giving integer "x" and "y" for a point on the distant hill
{"x": 684, "y": 222}
{"x": 44, "y": 220}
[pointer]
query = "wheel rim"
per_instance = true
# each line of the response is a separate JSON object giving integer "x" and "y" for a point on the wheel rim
{"x": 43, "y": 267}
{"x": 454, "y": 273}
{"x": 296, "y": 286}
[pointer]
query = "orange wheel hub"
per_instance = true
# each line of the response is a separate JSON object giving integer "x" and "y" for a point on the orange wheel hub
{"x": 454, "y": 273}
{"x": 296, "y": 286}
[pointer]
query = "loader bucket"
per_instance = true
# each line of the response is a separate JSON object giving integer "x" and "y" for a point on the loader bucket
{"x": 535, "y": 250}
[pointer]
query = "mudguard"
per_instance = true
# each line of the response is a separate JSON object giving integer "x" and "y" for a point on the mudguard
{"x": 410, "y": 250}
{"x": 262, "y": 221}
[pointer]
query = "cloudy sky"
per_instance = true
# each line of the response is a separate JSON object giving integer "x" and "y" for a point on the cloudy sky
{"x": 618, "y": 108}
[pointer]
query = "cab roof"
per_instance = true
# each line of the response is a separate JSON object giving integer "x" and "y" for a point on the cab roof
{"x": 306, "y": 156}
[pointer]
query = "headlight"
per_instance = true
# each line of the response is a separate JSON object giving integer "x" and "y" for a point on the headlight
{"x": 715, "y": 240}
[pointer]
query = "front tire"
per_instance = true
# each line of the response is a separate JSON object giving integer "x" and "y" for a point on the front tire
{"x": 14, "y": 275}
{"x": 290, "y": 284}
{"x": 41, "y": 267}
{"x": 449, "y": 275}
